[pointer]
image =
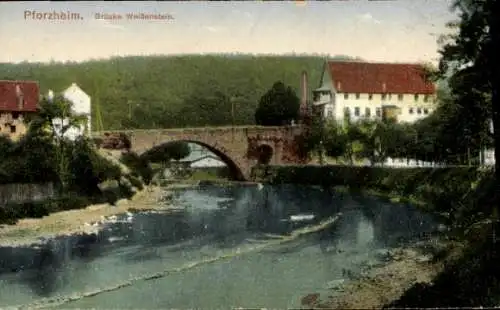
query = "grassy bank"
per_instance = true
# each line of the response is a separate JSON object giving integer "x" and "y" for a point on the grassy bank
{"x": 29, "y": 230}
{"x": 11, "y": 213}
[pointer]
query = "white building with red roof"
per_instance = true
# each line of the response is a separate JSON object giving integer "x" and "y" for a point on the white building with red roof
{"x": 372, "y": 90}
{"x": 80, "y": 106}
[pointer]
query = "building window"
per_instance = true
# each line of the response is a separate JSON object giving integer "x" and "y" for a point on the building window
{"x": 346, "y": 96}
{"x": 410, "y": 111}
{"x": 15, "y": 115}
{"x": 416, "y": 97}
{"x": 356, "y": 111}
{"x": 389, "y": 96}
{"x": 357, "y": 96}
{"x": 400, "y": 97}
{"x": 426, "y": 98}
{"x": 419, "y": 111}
{"x": 384, "y": 96}
{"x": 12, "y": 129}
{"x": 378, "y": 112}
{"x": 329, "y": 113}
{"x": 370, "y": 97}
{"x": 426, "y": 111}
{"x": 368, "y": 112}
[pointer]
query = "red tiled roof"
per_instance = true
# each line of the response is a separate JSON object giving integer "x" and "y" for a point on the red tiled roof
{"x": 376, "y": 78}
{"x": 9, "y": 95}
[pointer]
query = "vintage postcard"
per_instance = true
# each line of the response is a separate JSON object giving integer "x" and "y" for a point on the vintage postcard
{"x": 248, "y": 154}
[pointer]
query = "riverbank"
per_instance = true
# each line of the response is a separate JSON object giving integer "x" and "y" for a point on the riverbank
{"x": 30, "y": 231}
{"x": 382, "y": 285}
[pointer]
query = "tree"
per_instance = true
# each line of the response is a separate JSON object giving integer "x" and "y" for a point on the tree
{"x": 471, "y": 54}
{"x": 50, "y": 125}
{"x": 55, "y": 118}
{"x": 277, "y": 107}
{"x": 165, "y": 153}
{"x": 396, "y": 139}
{"x": 335, "y": 140}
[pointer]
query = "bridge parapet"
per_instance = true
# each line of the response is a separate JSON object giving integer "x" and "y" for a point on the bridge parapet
{"x": 249, "y": 129}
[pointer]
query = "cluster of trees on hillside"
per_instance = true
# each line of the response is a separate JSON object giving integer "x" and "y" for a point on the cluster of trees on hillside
{"x": 172, "y": 91}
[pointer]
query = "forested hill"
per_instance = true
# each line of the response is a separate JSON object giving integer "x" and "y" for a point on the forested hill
{"x": 172, "y": 91}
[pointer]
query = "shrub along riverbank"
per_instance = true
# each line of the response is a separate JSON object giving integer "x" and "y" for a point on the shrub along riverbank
{"x": 458, "y": 193}
{"x": 119, "y": 182}
{"x": 81, "y": 174}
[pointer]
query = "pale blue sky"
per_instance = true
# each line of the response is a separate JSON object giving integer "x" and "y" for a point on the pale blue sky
{"x": 399, "y": 31}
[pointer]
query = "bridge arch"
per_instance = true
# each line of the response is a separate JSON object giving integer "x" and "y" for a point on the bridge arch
{"x": 234, "y": 167}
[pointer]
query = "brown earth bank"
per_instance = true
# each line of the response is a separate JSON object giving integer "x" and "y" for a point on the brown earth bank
{"x": 30, "y": 231}
{"x": 381, "y": 285}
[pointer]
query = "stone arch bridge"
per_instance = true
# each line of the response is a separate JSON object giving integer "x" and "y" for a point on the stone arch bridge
{"x": 240, "y": 147}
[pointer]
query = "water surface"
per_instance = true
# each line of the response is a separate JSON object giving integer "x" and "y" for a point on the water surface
{"x": 222, "y": 247}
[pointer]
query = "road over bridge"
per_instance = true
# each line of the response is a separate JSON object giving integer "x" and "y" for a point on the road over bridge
{"x": 240, "y": 147}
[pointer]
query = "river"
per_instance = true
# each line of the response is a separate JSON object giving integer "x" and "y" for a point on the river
{"x": 238, "y": 246}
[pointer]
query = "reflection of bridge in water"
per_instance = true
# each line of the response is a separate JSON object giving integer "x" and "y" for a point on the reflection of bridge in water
{"x": 239, "y": 147}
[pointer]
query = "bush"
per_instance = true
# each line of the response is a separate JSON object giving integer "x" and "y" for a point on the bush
{"x": 445, "y": 189}
{"x": 10, "y": 213}
{"x": 135, "y": 182}
{"x": 140, "y": 167}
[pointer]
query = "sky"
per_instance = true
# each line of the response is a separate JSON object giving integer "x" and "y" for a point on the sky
{"x": 382, "y": 31}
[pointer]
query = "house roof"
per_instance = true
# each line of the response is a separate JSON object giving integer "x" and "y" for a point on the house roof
{"x": 197, "y": 162}
{"x": 374, "y": 78}
{"x": 9, "y": 94}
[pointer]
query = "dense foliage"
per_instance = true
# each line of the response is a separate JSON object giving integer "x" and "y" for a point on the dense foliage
{"x": 277, "y": 107}
{"x": 457, "y": 191}
{"x": 139, "y": 165}
{"x": 448, "y": 136}
{"x": 169, "y": 151}
{"x": 45, "y": 155}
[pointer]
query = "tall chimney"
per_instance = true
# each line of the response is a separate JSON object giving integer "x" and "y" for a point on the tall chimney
{"x": 303, "y": 87}
{"x": 304, "y": 94}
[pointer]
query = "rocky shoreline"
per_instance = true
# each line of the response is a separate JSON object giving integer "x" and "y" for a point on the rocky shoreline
{"x": 81, "y": 221}
{"x": 381, "y": 283}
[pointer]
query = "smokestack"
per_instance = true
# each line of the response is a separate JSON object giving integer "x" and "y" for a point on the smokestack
{"x": 303, "y": 87}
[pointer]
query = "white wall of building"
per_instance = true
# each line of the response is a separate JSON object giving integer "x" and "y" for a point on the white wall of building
{"x": 207, "y": 162}
{"x": 412, "y": 108}
{"x": 81, "y": 105}
{"x": 489, "y": 157}
{"x": 71, "y": 133}
{"x": 365, "y": 105}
